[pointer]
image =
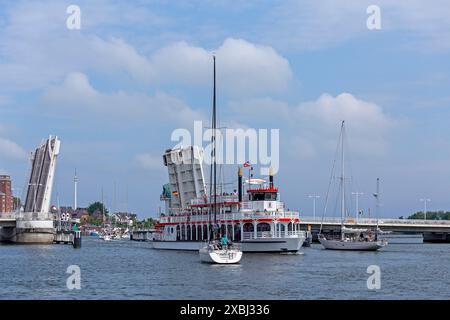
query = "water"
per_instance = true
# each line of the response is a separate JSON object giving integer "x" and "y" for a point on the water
{"x": 131, "y": 270}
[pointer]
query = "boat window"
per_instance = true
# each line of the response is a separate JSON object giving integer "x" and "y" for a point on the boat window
{"x": 257, "y": 196}
{"x": 271, "y": 196}
{"x": 261, "y": 196}
{"x": 248, "y": 227}
{"x": 262, "y": 227}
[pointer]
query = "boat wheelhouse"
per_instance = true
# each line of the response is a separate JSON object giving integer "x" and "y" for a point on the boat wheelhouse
{"x": 258, "y": 220}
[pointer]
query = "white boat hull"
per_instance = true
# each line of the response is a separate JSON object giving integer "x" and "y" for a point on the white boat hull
{"x": 351, "y": 245}
{"x": 231, "y": 256}
{"x": 264, "y": 245}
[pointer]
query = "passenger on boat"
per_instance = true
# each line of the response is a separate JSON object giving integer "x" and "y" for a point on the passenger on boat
{"x": 224, "y": 241}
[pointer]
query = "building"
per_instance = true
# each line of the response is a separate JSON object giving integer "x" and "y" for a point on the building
{"x": 79, "y": 215}
{"x": 124, "y": 218}
{"x": 6, "y": 196}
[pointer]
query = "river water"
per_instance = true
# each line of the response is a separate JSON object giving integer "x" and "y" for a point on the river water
{"x": 132, "y": 270}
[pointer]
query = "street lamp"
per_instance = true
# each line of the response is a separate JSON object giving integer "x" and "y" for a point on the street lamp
{"x": 357, "y": 194}
{"x": 425, "y": 200}
{"x": 314, "y": 197}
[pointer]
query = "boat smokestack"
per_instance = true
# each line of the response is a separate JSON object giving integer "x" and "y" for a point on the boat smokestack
{"x": 240, "y": 174}
{"x": 270, "y": 178}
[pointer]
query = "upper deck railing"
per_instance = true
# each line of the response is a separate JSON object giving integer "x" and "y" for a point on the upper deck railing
{"x": 271, "y": 235}
{"x": 220, "y": 198}
{"x": 230, "y": 216}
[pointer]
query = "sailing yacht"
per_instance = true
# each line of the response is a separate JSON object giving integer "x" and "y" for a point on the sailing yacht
{"x": 350, "y": 238}
{"x": 217, "y": 251}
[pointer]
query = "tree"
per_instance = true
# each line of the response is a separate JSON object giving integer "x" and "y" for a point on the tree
{"x": 93, "y": 221}
{"x": 97, "y": 206}
{"x": 16, "y": 203}
{"x": 431, "y": 215}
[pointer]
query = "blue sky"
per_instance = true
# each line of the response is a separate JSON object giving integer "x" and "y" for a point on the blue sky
{"x": 116, "y": 89}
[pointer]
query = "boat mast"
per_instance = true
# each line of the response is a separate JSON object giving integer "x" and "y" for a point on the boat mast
{"x": 213, "y": 173}
{"x": 214, "y": 146}
{"x": 377, "y": 211}
{"x": 342, "y": 181}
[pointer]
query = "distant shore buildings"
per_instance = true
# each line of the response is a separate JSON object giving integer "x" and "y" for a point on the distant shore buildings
{"x": 81, "y": 215}
{"x": 6, "y": 195}
{"x": 124, "y": 218}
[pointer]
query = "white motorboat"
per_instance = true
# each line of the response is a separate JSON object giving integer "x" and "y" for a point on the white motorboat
{"x": 106, "y": 237}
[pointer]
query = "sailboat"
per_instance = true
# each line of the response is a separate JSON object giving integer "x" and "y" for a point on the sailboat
{"x": 350, "y": 238}
{"x": 106, "y": 236}
{"x": 217, "y": 251}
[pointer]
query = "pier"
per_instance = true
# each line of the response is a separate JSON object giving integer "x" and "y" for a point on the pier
{"x": 432, "y": 230}
{"x": 10, "y": 222}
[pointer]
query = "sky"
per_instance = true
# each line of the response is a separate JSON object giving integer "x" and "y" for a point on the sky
{"x": 114, "y": 91}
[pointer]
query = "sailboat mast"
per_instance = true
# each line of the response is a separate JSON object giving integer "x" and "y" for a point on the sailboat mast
{"x": 342, "y": 180}
{"x": 213, "y": 171}
{"x": 214, "y": 125}
{"x": 377, "y": 207}
{"x": 377, "y": 197}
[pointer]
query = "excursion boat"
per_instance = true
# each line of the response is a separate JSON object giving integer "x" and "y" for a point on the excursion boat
{"x": 258, "y": 221}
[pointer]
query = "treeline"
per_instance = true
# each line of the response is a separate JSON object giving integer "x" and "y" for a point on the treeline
{"x": 431, "y": 215}
{"x": 146, "y": 223}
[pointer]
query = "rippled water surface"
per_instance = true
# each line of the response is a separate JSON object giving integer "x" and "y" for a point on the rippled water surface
{"x": 132, "y": 270}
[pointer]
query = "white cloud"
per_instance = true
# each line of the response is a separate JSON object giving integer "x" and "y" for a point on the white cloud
{"x": 251, "y": 68}
{"x": 243, "y": 67}
{"x": 365, "y": 121}
{"x": 313, "y": 126}
{"x": 76, "y": 96}
{"x": 11, "y": 150}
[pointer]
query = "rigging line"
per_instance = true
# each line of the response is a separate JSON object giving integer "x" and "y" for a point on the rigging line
{"x": 330, "y": 183}
{"x": 353, "y": 180}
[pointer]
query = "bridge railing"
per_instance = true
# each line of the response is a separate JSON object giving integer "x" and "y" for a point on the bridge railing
{"x": 381, "y": 221}
{"x": 34, "y": 216}
{"x": 8, "y": 216}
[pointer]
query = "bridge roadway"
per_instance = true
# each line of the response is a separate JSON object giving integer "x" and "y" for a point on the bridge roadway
{"x": 433, "y": 230}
